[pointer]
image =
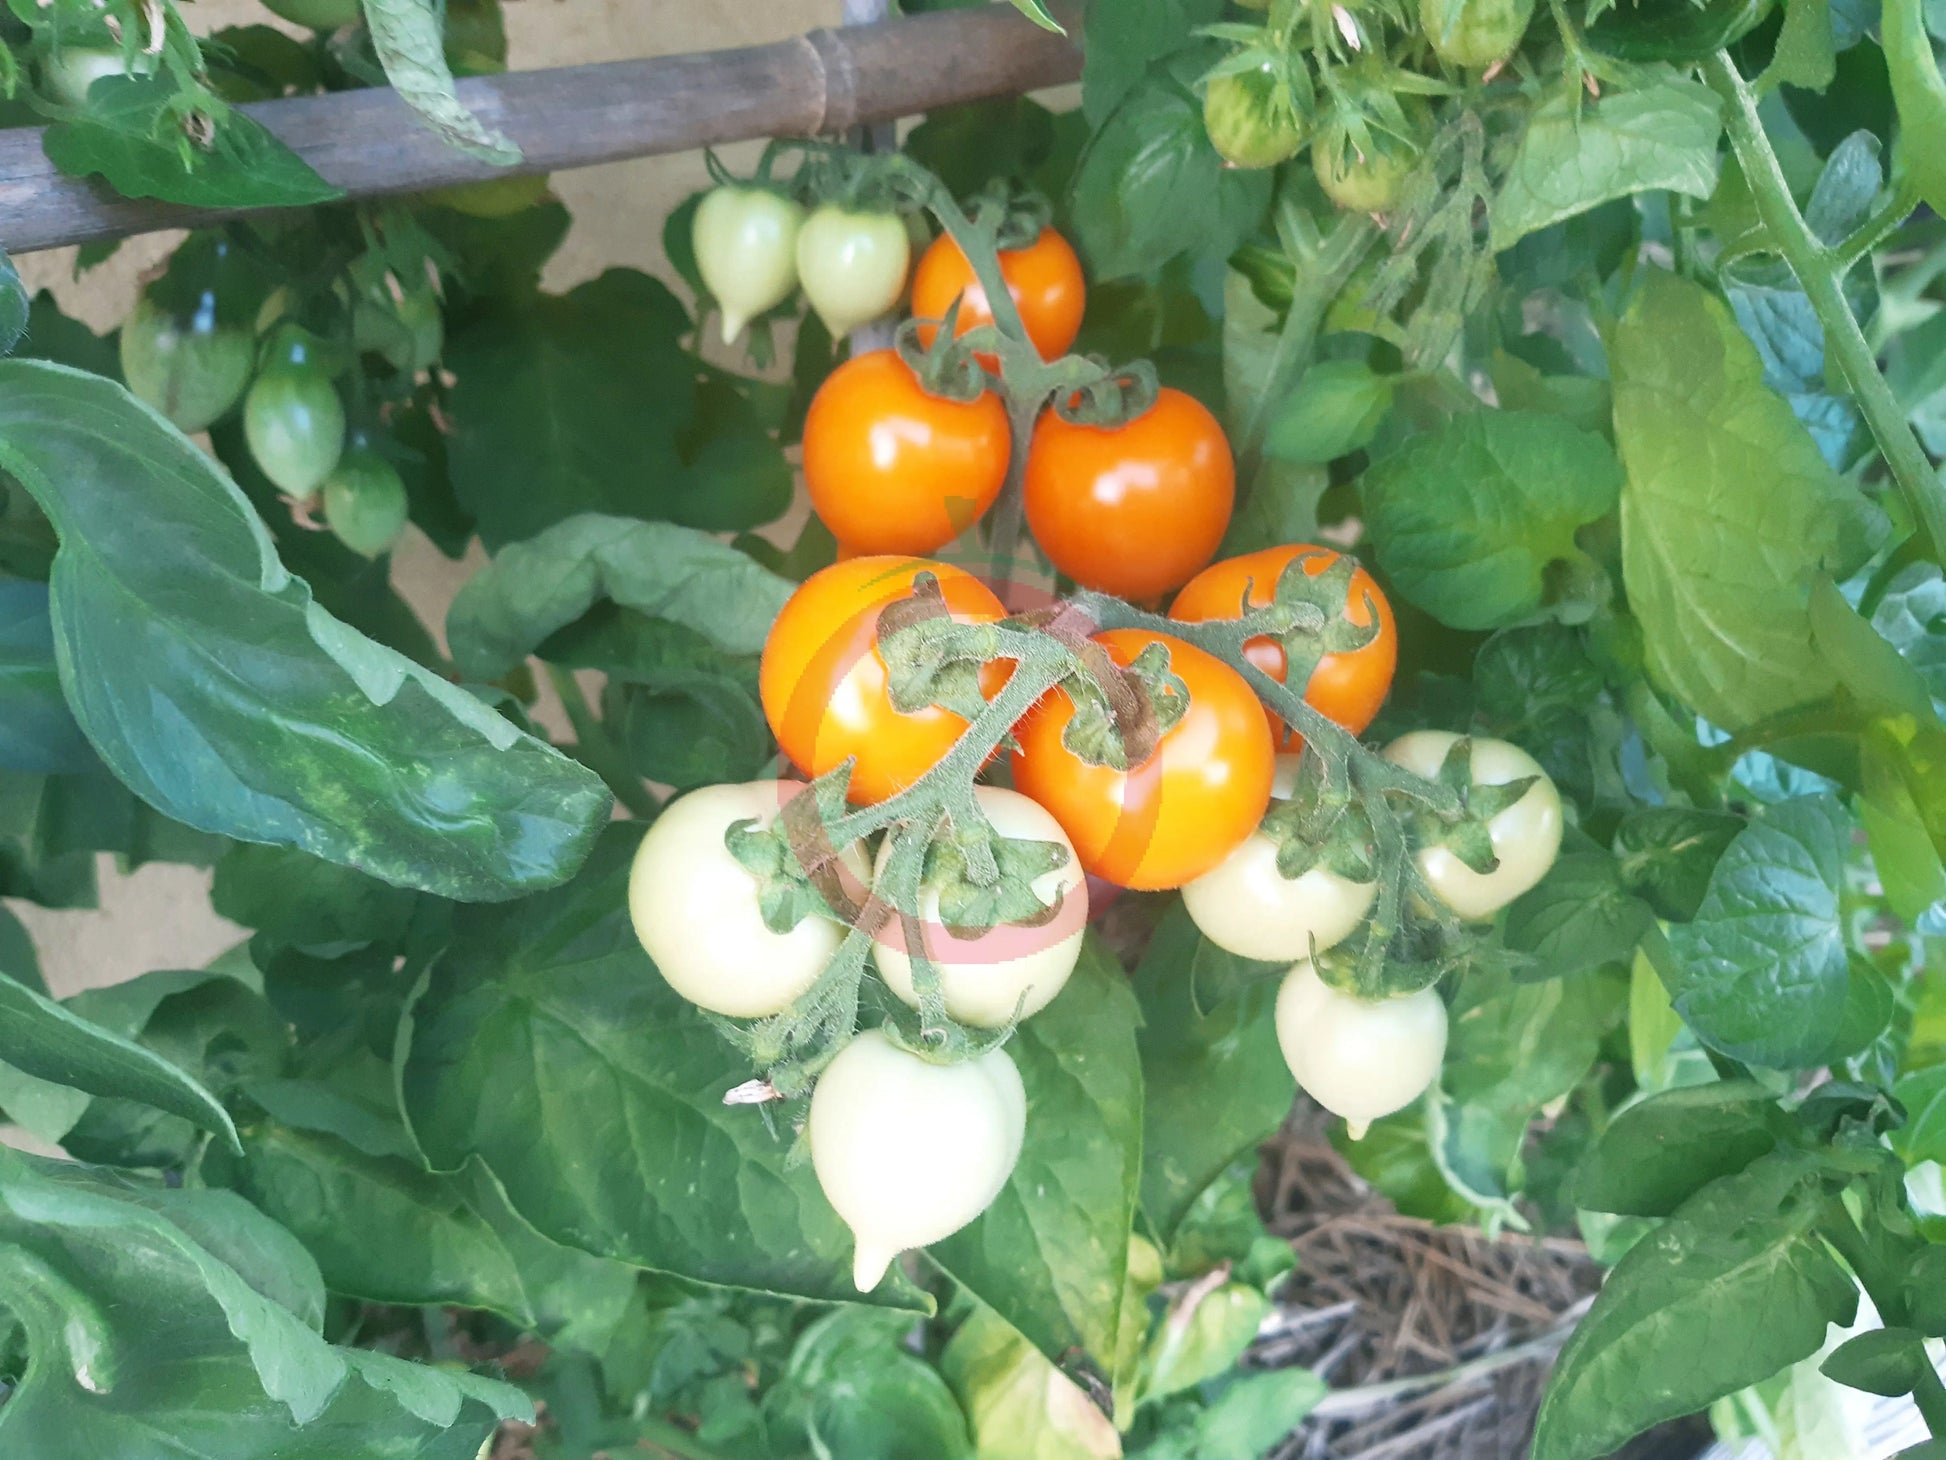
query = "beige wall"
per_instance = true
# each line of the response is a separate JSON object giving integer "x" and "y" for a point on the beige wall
{"x": 160, "y": 916}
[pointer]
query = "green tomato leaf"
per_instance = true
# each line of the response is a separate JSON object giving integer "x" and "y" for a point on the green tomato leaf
{"x": 37, "y": 733}
{"x": 1395, "y": 1156}
{"x": 1470, "y": 520}
{"x": 1574, "y": 157}
{"x": 14, "y": 307}
{"x": 1214, "y": 1083}
{"x": 1905, "y": 853}
{"x": 213, "y": 685}
{"x": 1018, "y": 1404}
{"x": 1728, "y": 512}
{"x": 386, "y": 1231}
{"x": 1118, "y": 48}
{"x": 1336, "y": 409}
{"x": 1050, "y": 1254}
{"x": 533, "y": 588}
{"x": 1923, "y": 1136}
{"x": 1733, "y": 1287}
{"x": 50, "y": 1042}
{"x": 1512, "y": 1049}
{"x": 407, "y": 38}
{"x": 687, "y": 713}
{"x": 186, "y": 1322}
{"x": 1806, "y": 53}
{"x": 297, "y": 898}
{"x": 1578, "y": 918}
{"x": 1911, "y": 615}
{"x": 1657, "y": 1154}
{"x": 581, "y": 402}
{"x": 1668, "y": 852}
{"x": 1760, "y": 973}
{"x": 130, "y": 138}
{"x": 212, "y": 1026}
{"x": 1920, "y": 93}
{"x": 1150, "y": 186}
{"x": 857, "y": 1390}
{"x": 547, "y": 1045}
{"x": 1886, "y": 1361}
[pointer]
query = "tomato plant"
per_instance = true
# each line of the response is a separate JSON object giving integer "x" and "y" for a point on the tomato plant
{"x": 1490, "y": 690}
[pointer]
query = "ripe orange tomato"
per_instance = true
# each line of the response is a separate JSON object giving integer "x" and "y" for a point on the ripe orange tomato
{"x": 1134, "y": 509}
{"x": 1348, "y": 688}
{"x": 892, "y": 468}
{"x": 1184, "y": 809}
{"x": 824, "y": 685}
{"x": 1044, "y": 279}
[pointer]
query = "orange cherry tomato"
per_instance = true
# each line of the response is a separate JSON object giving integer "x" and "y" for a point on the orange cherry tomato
{"x": 824, "y": 685}
{"x": 1183, "y": 810}
{"x": 892, "y": 468}
{"x": 1134, "y": 509}
{"x": 1044, "y": 279}
{"x": 1348, "y": 688}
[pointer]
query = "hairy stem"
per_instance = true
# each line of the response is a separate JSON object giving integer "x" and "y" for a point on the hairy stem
{"x": 1820, "y": 273}
{"x": 1318, "y": 281}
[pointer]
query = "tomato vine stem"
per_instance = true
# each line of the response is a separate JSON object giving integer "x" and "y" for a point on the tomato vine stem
{"x": 1820, "y": 272}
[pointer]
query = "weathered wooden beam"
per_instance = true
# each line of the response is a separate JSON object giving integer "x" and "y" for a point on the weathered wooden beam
{"x": 369, "y": 143}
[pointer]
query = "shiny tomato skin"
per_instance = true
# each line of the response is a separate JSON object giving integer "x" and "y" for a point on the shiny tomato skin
{"x": 1183, "y": 810}
{"x": 1044, "y": 279}
{"x": 892, "y": 468}
{"x": 1135, "y": 509}
{"x": 1348, "y": 688}
{"x": 824, "y": 685}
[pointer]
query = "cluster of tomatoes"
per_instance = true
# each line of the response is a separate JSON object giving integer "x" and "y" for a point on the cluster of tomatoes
{"x": 899, "y": 460}
{"x": 1261, "y": 105}
{"x": 183, "y": 355}
{"x": 1188, "y": 816}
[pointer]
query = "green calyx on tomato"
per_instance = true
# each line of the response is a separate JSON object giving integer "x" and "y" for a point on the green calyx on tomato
{"x": 1366, "y": 174}
{"x": 1510, "y": 834}
{"x": 365, "y": 502}
{"x": 409, "y": 331}
{"x": 1251, "y": 118}
{"x": 1475, "y": 34}
{"x": 191, "y": 369}
{"x": 745, "y": 240}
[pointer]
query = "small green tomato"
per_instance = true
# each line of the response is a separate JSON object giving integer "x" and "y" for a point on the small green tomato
{"x": 1475, "y": 34}
{"x": 853, "y": 265}
{"x": 365, "y": 503}
{"x": 1362, "y": 182}
{"x": 68, "y": 74}
{"x": 192, "y": 370}
{"x": 746, "y": 250}
{"x": 295, "y": 423}
{"x": 1250, "y": 119}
